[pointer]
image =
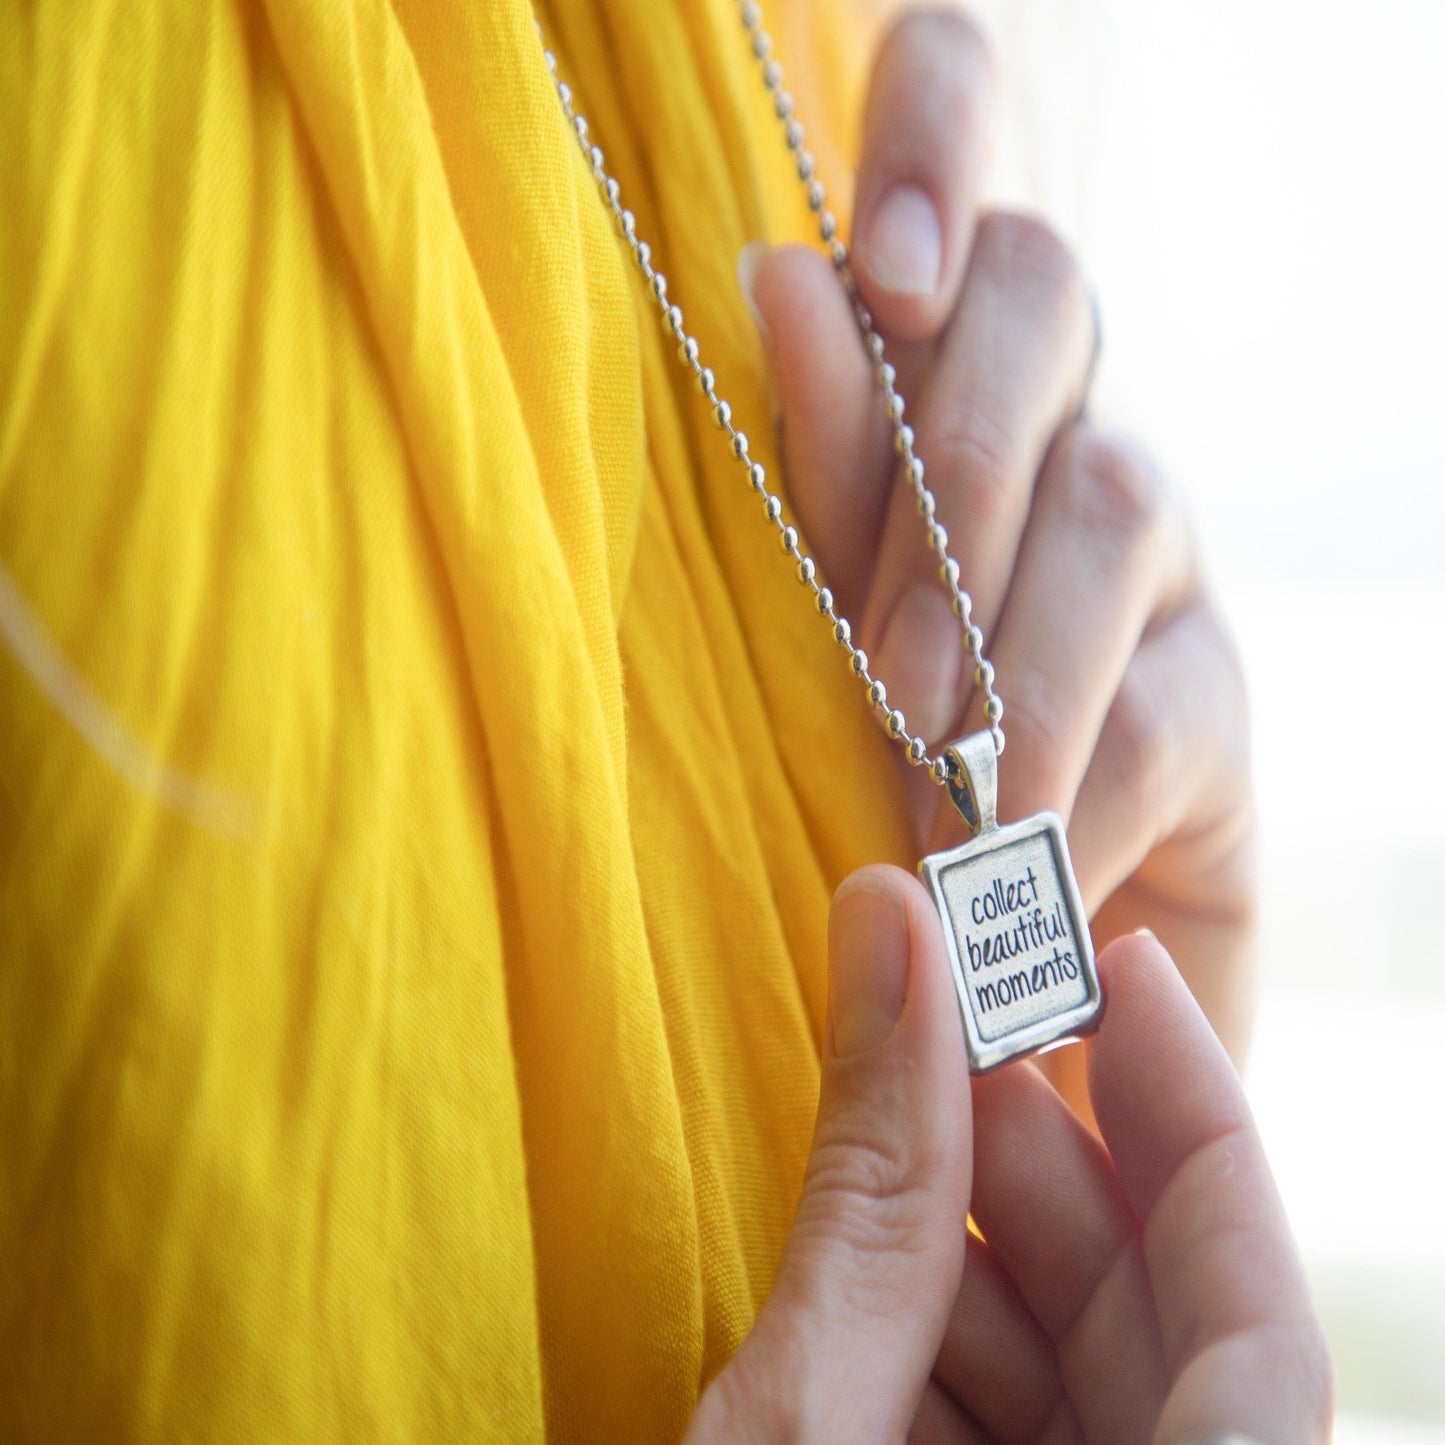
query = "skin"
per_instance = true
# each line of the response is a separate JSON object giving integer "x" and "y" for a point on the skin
{"x": 1138, "y": 1282}
{"x": 1142, "y": 1288}
{"x": 1125, "y": 707}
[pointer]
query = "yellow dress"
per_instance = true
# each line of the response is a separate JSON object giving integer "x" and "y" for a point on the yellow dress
{"x": 421, "y": 778}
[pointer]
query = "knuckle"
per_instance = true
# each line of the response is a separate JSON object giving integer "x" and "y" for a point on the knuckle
{"x": 946, "y": 40}
{"x": 1138, "y": 726}
{"x": 973, "y": 448}
{"x": 1037, "y": 724}
{"x": 1112, "y": 488}
{"x": 1028, "y": 251}
{"x": 871, "y": 1167}
{"x": 867, "y": 1193}
{"x": 933, "y": 79}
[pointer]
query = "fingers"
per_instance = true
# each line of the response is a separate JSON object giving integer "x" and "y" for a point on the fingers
{"x": 997, "y": 1363}
{"x": 836, "y": 445}
{"x": 1051, "y": 1209}
{"x": 1173, "y": 748}
{"x": 844, "y": 1345}
{"x": 1237, "y": 1325}
{"x": 1006, "y": 377}
{"x": 1104, "y": 552}
{"x": 924, "y": 143}
{"x": 940, "y": 1421}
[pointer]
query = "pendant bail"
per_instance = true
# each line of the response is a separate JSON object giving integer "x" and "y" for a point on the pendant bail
{"x": 973, "y": 780}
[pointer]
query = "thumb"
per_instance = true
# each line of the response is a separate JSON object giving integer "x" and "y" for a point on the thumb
{"x": 844, "y": 1345}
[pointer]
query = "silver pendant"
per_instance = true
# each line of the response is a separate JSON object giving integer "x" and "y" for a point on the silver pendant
{"x": 1017, "y": 935}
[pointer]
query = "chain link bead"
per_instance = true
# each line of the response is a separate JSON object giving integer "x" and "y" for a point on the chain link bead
{"x": 722, "y": 415}
{"x": 877, "y": 693}
{"x": 773, "y": 506}
{"x": 917, "y": 751}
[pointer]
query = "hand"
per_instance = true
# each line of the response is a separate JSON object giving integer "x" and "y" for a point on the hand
{"x": 1146, "y": 1293}
{"x": 1124, "y": 703}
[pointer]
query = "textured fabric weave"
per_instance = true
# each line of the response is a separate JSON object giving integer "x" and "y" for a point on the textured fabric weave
{"x": 421, "y": 778}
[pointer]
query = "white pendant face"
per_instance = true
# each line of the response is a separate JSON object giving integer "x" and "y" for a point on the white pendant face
{"x": 1023, "y": 962}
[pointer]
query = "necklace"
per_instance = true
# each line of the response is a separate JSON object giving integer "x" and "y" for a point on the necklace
{"x": 1014, "y": 923}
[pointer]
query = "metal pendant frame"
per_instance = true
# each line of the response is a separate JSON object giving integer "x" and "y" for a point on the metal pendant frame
{"x": 974, "y": 789}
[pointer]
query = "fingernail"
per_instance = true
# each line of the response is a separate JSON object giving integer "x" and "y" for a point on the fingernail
{"x": 903, "y": 245}
{"x": 748, "y": 259}
{"x": 868, "y": 944}
{"x": 1146, "y": 933}
{"x": 920, "y": 653}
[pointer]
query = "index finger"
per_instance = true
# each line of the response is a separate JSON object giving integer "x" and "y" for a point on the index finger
{"x": 1240, "y": 1336}
{"x": 924, "y": 144}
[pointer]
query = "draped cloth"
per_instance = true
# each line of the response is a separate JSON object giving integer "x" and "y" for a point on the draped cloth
{"x": 421, "y": 777}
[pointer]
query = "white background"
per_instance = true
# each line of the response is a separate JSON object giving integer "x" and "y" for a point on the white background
{"x": 1258, "y": 190}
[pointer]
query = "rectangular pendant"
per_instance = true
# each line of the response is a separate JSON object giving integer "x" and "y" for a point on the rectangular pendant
{"x": 1018, "y": 939}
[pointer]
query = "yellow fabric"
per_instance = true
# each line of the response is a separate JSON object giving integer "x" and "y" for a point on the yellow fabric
{"x": 421, "y": 779}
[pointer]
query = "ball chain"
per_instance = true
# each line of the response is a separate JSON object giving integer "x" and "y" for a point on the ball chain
{"x": 894, "y": 723}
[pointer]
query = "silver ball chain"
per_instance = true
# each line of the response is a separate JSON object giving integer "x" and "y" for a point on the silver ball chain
{"x": 915, "y": 748}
